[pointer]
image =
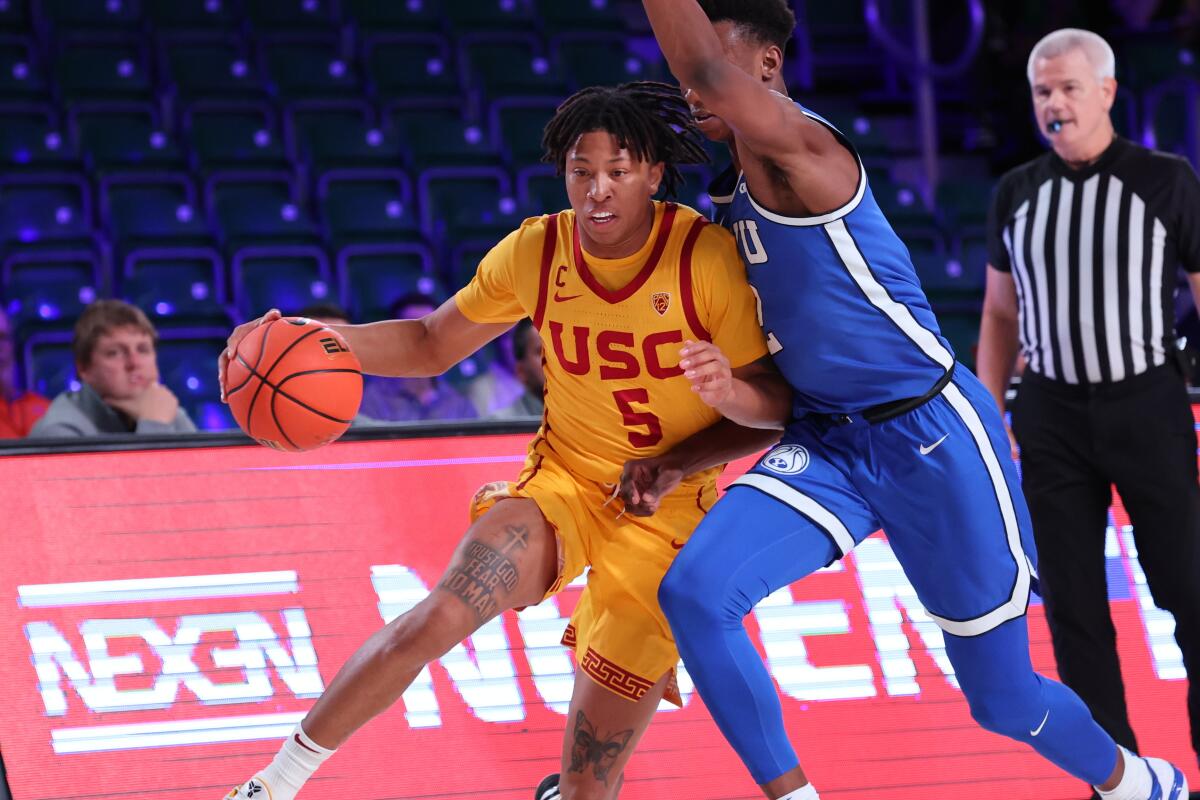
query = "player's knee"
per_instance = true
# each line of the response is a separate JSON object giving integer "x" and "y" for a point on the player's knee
{"x": 1006, "y": 713}
{"x": 429, "y": 629}
{"x": 688, "y": 599}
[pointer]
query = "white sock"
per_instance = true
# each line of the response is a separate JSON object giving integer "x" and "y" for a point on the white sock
{"x": 1135, "y": 783}
{"x": 805, "y": 792}
{"x": 294, "y": 764}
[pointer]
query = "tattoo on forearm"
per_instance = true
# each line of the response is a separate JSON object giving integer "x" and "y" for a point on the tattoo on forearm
{"x": 589, "y": 749}
{"x": 476, "y": 580}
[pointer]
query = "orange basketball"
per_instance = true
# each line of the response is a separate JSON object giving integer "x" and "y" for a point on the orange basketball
{"x": 293, "y": 384}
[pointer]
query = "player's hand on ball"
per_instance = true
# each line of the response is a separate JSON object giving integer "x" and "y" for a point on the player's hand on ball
{"x": 708, "y": 370}
{"x": 235, "y": 338}
{"x": 644, "y": 483}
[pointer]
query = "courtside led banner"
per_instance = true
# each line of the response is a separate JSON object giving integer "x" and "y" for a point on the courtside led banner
{"x": 167, "y": 617}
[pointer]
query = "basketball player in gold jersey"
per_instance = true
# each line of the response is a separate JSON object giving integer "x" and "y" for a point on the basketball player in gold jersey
{"x": 616, "y": 286}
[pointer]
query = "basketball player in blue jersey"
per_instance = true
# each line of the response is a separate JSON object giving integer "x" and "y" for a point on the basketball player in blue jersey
{"x": 886, "y": 430}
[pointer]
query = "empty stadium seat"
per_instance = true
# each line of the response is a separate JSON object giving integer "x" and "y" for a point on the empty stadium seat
{"x": 511, "y": 63}
{"x": 308, "y": 66}
{"x": 464, "y": 261}
{"x": 216, "y": 66}
{"x": 901, "y": 204}
{"x": 407, "y": 65}
{"x": 489, "y": 15}
{"x": 580, "y": 15}
{"x": 598, "y": 59}
{"x": 192, "y": 15}
{"x": 124, "y": 135}
{"x": 173, "y": 283}
{"x": 44, "y": 207}
{"x": 694, "y": 189}
{"x": 14, "y": 15}
{"x": 540, "y": 190}
{"x": 291, "y": 15}
{"x": 324, "y": 133}
{"x": 367, "y": 205}
{"x": 284, "y": 277}
{"x": 152, "y": 207}
{"x": 186, "y": 360}
{"x": 92, "y": 15}
{"x": 21, "y": 74}
{"x": 1173, "y": 117}
{"x": 440, "y": 136}
{"x": 257, "y": 205}
{"x": 963, "y": 203}
{"x": 49, "y": 363}
{"x": 516, "y": 125}
{"x": 374, "y": 16}
{"x": 372, "y": 276}
{"x": 50, "y": 286}
{"x": 31, "y": 136}
{"x": 460, "y": 202}
{"x": 95, "y": 66}
{"x": 231, "y": 134}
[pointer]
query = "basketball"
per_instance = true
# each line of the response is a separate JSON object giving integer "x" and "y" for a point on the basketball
{"x": 293, "y": 384}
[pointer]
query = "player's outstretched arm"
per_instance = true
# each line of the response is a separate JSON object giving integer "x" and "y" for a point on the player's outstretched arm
{"x": 398, "y": 347}
{"x": 754, "y": 395}
{"x": 821, "y": 171}
{"x": 645, "y": 481}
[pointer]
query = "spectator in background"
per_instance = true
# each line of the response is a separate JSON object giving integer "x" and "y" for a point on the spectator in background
{"x": 413, "y": 399}
{"x": 527, "y": 357}
{"x": 115, "y": 357}
{"x": 18, "y": 410}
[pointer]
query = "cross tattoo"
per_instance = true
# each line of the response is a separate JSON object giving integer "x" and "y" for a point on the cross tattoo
{"x": 518, "y": 535}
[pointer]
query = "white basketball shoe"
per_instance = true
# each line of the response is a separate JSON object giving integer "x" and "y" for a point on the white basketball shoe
{"x": 1167, "y": 782}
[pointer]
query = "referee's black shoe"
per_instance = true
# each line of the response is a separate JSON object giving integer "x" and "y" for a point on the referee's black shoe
{"x": 547, "y": 789}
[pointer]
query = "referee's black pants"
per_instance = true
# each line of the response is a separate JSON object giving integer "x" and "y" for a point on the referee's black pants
{"x": 1076, "y": 442}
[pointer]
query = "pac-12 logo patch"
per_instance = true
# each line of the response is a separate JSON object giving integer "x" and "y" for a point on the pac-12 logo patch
{"x": 661, "y": 302}
{"x": 787, "y": 459}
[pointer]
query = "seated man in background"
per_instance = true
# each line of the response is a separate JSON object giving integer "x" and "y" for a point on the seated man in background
{"x": 413, "y": 399}
{"x": 527, "y": 364}
{"x": 117, "y": 363}
{"x": 18, "y": 410}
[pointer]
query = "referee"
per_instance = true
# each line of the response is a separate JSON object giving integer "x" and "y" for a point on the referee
{"x": 1084, "y": 243}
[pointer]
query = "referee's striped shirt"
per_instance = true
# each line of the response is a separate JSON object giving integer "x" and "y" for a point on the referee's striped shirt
{"x": 1094, "y": 253}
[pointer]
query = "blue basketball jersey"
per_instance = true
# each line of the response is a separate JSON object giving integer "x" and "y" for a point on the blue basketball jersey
{"x": 845, "y": 317}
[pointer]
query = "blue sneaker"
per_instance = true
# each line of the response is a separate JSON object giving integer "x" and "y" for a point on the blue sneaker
{"x": 1166, "y": 781}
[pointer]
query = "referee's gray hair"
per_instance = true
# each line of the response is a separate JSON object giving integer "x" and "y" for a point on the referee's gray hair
{"x": 1098, "y": 52}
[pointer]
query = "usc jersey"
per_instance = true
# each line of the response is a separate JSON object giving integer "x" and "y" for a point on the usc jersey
{"x": 612, "y": 330}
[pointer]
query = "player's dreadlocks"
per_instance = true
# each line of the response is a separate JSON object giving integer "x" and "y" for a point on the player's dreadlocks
{"x": 649, "y": 119}
{"x": 769, "y": 21}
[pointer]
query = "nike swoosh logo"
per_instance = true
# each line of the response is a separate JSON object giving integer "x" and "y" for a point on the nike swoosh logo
{"x": 562, "y": 298}
{"x": 926, "y": 449}
{"x": 677, "y": 546}
{"x": 1038, "y": 729}
{"x": 296, "y": 736}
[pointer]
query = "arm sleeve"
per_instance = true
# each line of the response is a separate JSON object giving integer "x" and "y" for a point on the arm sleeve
{"x": 997, "y": 218}
{"x": 725, "y": 300}
{"x": 491, "y": 296}
{"x": 1187, "y": 220}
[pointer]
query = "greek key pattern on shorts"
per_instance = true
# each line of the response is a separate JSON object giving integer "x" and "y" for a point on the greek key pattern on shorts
{"x": 568, "y": 639}
{"x": 613, "y": 677}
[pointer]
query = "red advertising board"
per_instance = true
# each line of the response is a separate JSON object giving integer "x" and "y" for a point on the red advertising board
{"x": 167, "y": 616}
